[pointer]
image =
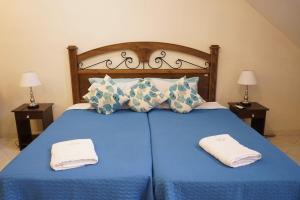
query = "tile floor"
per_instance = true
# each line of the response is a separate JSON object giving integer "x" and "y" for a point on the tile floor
{"x": 287, "y": 142}
{"x": 8, "y": 151}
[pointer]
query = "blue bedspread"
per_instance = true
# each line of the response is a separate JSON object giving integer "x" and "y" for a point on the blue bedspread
{"x": 182, "y": 170}
{"x": 124, "y": 171}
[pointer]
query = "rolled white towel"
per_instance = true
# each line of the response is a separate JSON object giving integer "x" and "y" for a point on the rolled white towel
{"x": 73, "y": 153}
{"x": 229, "y": 151}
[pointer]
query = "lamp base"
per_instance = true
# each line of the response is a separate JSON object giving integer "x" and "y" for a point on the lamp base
{"x": 33, "y": 106}
{"x": 245, "y": 103}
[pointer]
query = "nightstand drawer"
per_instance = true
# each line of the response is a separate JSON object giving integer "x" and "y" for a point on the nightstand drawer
{"x": 28, "y": 115}
{"x": 250, "y": 114}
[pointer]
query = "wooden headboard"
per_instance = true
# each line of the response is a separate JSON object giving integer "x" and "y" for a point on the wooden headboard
{"x": 207, "y": 74}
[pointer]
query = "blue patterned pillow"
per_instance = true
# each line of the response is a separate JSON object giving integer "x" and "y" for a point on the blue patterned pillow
{"x": 144, "y": 96}
{"x": 182, "y": 98}
{"x": 105, "y": 96}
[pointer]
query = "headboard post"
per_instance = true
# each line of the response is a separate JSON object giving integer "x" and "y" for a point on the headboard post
{"x": 213, "y": 67}
{"x": 74, "y": 75}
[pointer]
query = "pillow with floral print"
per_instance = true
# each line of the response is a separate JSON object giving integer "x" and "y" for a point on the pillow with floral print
{"x": 144, "y": 96}
{"x": 182, "y": 98}
{"x": 106, "y": 96}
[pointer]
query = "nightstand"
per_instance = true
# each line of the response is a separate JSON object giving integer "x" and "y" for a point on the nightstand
{"x": 23, "y": 116}
{"x": 255, "y": 111}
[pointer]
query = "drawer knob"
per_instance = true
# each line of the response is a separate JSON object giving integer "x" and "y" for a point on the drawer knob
{"x": 27, "y": 116}
{"x": 252, "y": 115}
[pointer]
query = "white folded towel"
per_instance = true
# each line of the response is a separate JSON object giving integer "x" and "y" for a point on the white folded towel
{"x": 229, "y": 151}
{"x": 73, "y": 153}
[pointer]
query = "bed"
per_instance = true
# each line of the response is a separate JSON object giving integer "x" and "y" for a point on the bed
{"x": 124, "y": 171}
{"x": 182, "y": 170}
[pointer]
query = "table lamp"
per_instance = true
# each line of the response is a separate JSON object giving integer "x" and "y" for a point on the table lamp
{"x": 30, "y": 79}
{"x": 246, "y": 78}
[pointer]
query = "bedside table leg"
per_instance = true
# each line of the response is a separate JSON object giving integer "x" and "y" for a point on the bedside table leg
{"x": 24, "y": 132}
{"x": 47, "y": 119}
{"x": 258, "y": 124}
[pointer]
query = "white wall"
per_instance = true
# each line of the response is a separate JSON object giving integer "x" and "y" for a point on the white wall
{"x": 284, "y": 14}
{"x": 34, "y": 35}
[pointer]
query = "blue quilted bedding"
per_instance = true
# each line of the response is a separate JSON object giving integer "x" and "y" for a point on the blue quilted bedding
{"x": 182, "y": 170}
{"x": 124, "y": 171}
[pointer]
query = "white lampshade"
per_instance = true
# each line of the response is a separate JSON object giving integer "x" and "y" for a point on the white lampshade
{"x": 29, "y": 79}
{"x": 247, "y": 77}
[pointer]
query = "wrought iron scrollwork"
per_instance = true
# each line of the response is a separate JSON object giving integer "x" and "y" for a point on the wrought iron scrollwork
{"x": 107, "y": 62}
{"x": 159, "y": 61}
{"x": 178, "y": 63}
{"x": 127, "y": 61}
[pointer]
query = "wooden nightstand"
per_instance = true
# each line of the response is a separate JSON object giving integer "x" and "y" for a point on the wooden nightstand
{"x": 23, "y": 116}
{"x": 255, "y": 111}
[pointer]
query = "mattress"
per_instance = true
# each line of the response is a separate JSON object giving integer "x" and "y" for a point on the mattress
{"x": 124, "y": 171}
{"x": 182, "y": 170}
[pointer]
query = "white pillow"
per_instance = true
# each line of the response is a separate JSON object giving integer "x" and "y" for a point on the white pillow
{"x": 123, "y": 83}
{"x": 163, "y": 84}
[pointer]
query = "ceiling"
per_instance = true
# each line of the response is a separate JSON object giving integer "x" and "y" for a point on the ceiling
{"x": 284, "y": 14}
